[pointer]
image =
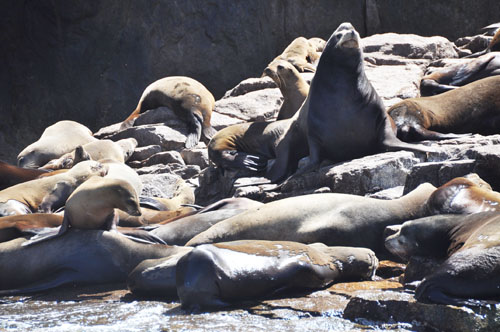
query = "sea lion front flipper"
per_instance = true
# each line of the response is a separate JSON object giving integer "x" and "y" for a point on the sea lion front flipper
{"x": 309, "y": 68}
{"x": 141, "y": 236}
{"x": 194, "y": 127}
{"x": 209, "y": 132}
{"x": 57, "y": 197}
{"x": 431, "y": 87}
{"x": 49, "y": 233}
{"x": 422, "y": 134}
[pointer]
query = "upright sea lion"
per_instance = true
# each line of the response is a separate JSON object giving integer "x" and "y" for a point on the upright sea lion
{"x": 56, "y": 140}
{"x": 215, "y": 275}
{"x": 473, "y": 108}
{"x": 451, "y": 77}
{"x": 301, "y": 54}
{"x": 96, "y": 150}
{"x": 48, "y": 193}
{"x": 333, "y": 219}
{"x": 247, "y": 145}
{"x": 471, "y": 244}
{"x": 189, "y": 100}
{"x": 11, "y": 175}
{"x": 79, "y": 257}
{"x": 293, "y": 87}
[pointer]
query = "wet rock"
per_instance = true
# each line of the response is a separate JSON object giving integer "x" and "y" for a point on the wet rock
{"x": 145, "y": 152}
{"x": 409, "y": 46}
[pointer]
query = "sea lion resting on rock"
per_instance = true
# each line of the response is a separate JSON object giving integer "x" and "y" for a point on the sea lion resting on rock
{"x": 471, "y": 244}
{"x": 451, "y": 77}
{"x": 11, "y": 175}
{"x": 344, "y": 116}
{"x": 56, "y": 140}
{"x": 48, "y": 193}
{"x": 291, "y": 84}
{"x": 81, "y": 257}
{"x": 216, "y": 275}
{"x": 473, "y": 108}
{"x": 97, "y": 150}
{"x": 333, "y": 219}
{"x": 189, "y": 100}
{"x": 12, "y": 227}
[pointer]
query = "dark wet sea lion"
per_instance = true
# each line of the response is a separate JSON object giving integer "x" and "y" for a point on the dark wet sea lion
{"x": 333, "y": 219}
{"x": 473, "y": 108}
{"x": 79, "y": 257}
{"x": 454, "y": 76}
{"x": 56, "y": 140}
{"x": 216, "y": 275}
{"x": 189, "y": 100}
{"x": 48, "y": 193}
{"x": 293, "y": 87}
{"x": 11, "y": 175}
{"x": 471, "y": 246}
{"x": 247, "y": 145}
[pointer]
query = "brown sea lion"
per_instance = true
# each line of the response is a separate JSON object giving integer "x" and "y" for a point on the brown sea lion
{"x": 318, "y": 43}
{"x": 79, "y": 257}
{"x": 333, "y": 219}
{"x": 96, "y": 150}
{"x": 451, "y": 77}
{"x": 11, "y": 174}
{"x": 247, "y": 145}
{"x": 344, "y": 115}
{"x": 216, "y": 275}
{"x": 463, "y": 196}
{"x": 301, "y": 54}
{"x": 293, "y": 87}
{"x": 48, "y": 193}
{"x": 471, "y": 246}
{"x": 12, "y": 227}
{"x": 56, "y": 140}
{"x": 473, "y": 108}
{"x": 150, "y": 216}
{"x": 189, "y": 100}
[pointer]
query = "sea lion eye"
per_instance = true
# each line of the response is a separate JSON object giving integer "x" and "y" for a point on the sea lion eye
{"x": 280, "y": 67}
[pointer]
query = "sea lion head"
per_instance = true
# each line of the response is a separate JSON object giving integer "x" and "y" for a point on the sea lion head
{"x": 398, "y": 242}
{"x": 344, "y": 40}
{"x": 407, "y": 116}
{"x": 32, "y": 157}
{"x": 281, "y": 71}
{"x": 125, "y": 197}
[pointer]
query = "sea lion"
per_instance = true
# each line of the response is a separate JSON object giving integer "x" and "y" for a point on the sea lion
{"x": 463, "y": 196}
{"x": 12, "y": 227}
{"x": 11, "y": 175}
{"x": 189, "y": 100}
{"x": 344, "y": 116}
{"x": 79, "y": 257}
{"x": 293, "y": 87}
{"x": 471, "y": 246}
{"x": 121, "y": 171}
{"x": 451, "y": 77}
{"x": 333, "y": 219}
{"x": 96, "y": 150}
{"x": 301, "y": 54}
{"x": 56, "y": 140}
{"x": 247, "y": 145}
{"x": 473, "y": 108}
{"x": 216, "y": 275}
{"x": 48, "y": 193}
{"x": 318, "y": 43}
{"x": 150, "y": 216}
{"x": 493, "y": 46}
{"x": 92, "y": 206}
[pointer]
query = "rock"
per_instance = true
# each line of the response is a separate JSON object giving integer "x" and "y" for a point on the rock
{"x": 159, "y": 185}
{"x": 184, "y": 171}
{"x": 409, "y": 46}
{"x": 390, "y": 193}
{"x": 197, "y": 157}
{"x": 144, "y": 152}
{"x": 257, "y": 105}
{"x": 250, "y": 85}
{"x": 389, "y": 269}
{"x": 169, "y": 157}
{"x": 474, "y": 43}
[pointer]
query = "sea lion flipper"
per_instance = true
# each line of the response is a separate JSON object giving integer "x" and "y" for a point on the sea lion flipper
{"x": 151, "y": 203}
{"x": 423, "y": 134}
{"x": 60, "y": 278}
{"x": 57, "y": 197}
{"x": 43, "y": 234}
{"x": 195, "y": 121}
{"x": 209, "y": 132}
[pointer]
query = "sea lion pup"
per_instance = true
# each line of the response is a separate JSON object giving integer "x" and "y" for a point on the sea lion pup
{"x": 215, "y": 275}
{"x": 291, "y": 84}
{"x": 333, "y": 219}
{"x": 12, "y": 227}
{"x": 247, "y": 145}
{"x": 471, "y": 246}
{"x": 11, "y": 175}
{"x": 463, "y": 196}
{"x": 451, "y": 77}
{"x": 79, "y": 257}
{"x": 473, "y": 108}
{"x": 97, "y": 150}
{"x": 301, "y": 54}
{"x": 56, "y": 140}
{"x": 48, "y": 193}
{"x": 189, "y": 100}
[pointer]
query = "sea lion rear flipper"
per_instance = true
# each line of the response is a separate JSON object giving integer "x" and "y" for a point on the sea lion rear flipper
{"x": 151, "y": 203}
{"x": 209, "y": 132}
{"x": 48, "y": 233}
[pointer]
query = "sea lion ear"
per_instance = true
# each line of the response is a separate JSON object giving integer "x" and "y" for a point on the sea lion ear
{"x": 80, "y": 155}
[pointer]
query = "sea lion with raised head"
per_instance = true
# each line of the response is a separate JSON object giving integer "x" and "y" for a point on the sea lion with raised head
{"x": 189, "y": 100}
{"x": 56, "y": 140}
{"x": 216, "y": 275}
{"x": 472, "y": 108}
{"x": 301, "y": 54}
{"x": 293, "y": 87}
{"x": 48, "y": 193}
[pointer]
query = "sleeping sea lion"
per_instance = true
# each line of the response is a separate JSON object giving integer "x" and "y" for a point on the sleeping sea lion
{"x": 11, "y": 174}
{"x": 189, "y": 100}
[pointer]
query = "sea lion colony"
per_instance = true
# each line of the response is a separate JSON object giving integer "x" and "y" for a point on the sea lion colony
{"x": 239, "y": 249}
